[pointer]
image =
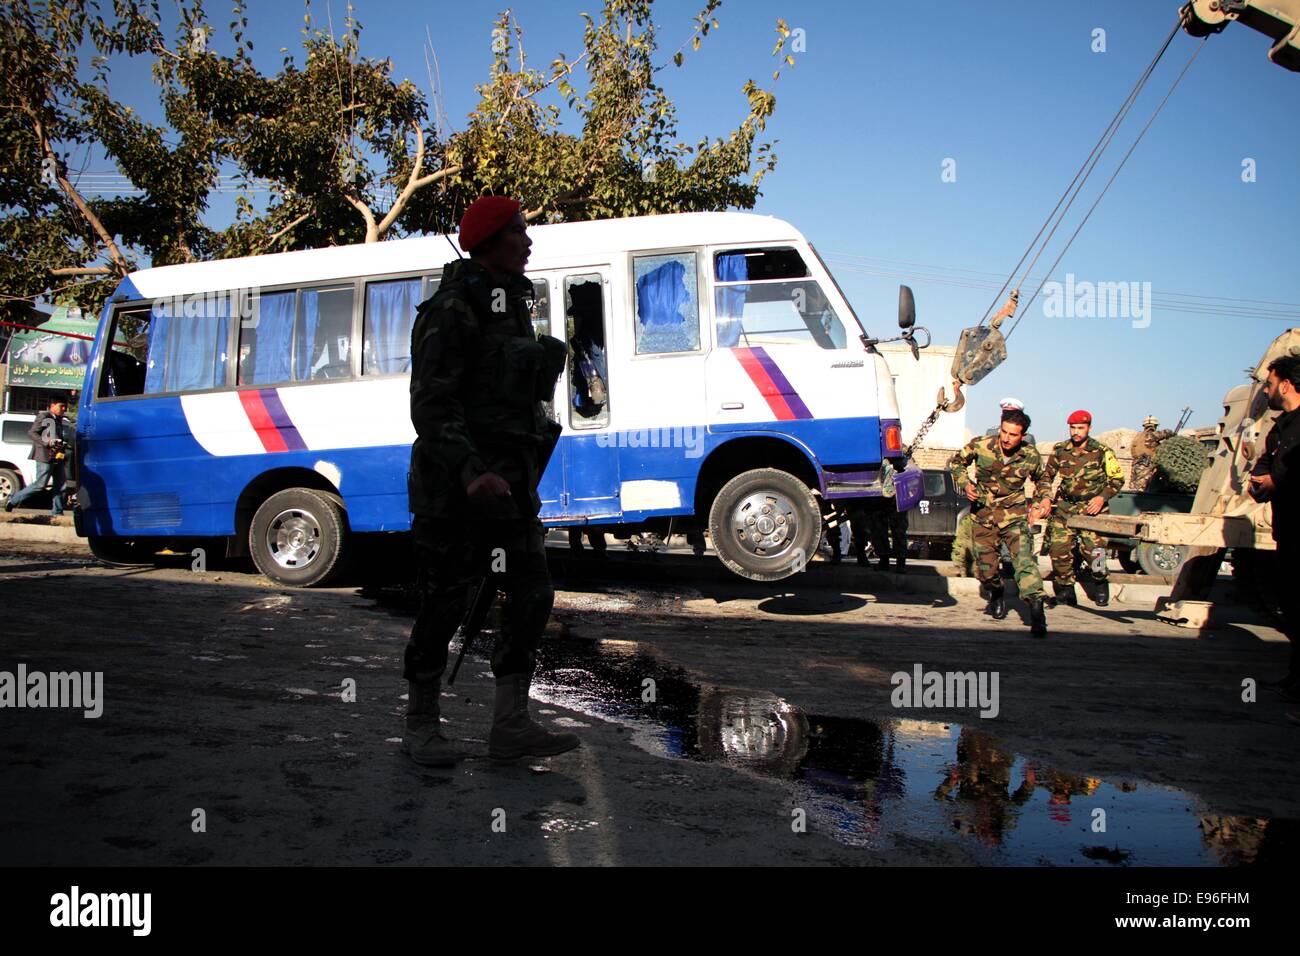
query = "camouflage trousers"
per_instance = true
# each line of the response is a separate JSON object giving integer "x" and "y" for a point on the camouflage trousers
{"x": 1065, "y": 543}
{"x": 1019, "y": 541}
{"x": 452, "y": 555}
{"x": 963, "y": 551}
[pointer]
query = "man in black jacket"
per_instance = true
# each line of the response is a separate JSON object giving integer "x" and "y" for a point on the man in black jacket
{"x": 49, "y": 449}
{"x": 1276, "y": 478}
{"x": 479, "y": 379}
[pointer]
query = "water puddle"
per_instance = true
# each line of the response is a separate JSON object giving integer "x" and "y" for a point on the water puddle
{"x": 875, "y": 784}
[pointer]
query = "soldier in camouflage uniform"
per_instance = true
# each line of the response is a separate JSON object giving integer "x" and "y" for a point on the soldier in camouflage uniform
{"x": 1090, "y": 476}
{"x": 1000, "y": 513}
{"x": 480, "y": 377}
{"x": 963, "y": 549}
{"x": 1143, "y": 452}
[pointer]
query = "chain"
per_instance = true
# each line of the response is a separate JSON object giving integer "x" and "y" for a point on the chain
{"x": 925, "y": 427}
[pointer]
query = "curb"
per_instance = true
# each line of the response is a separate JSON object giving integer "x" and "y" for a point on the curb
{"x": 33, "y": 527}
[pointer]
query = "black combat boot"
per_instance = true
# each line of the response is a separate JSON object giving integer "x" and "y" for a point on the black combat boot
{"x": 997, "y": 607}
{"x": 423, "y": 740}
{"x": 1065, "y": 594}
{"x": 1102, "y": 589}
{"x": 514, "y": 733}
{"x": 1037, "y": 616}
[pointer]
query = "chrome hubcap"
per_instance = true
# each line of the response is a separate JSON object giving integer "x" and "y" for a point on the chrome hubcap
{"x": 765, "y": 524}
{"x": 294, "y": 538}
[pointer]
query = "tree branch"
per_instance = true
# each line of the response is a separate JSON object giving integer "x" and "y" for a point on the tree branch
{"x": 84, "y": 271}
{"x": 271, "y": 240}
{"x": 413, "y": 182}
{"x": 119, "y": 260}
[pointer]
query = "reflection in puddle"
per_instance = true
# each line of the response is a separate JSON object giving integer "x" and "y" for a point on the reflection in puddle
{"x": 868, "y": 784}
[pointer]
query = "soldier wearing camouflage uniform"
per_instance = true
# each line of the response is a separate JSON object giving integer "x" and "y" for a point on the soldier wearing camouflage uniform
{"x": 963, "y": 549}
{"x": 479, "y": 378}
{"x": 1090, "y": 476}
{"x": 1000, "y": 513}
{"x": 1143, "y": 452}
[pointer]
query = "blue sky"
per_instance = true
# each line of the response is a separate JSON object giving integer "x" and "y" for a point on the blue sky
{"x": 1014, "y": 94}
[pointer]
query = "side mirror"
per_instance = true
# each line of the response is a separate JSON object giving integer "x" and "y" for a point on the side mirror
{"x": 906, "y": 308}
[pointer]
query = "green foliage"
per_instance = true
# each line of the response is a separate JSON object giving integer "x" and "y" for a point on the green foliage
{"x": 628, "y": 159}
{"x": 348, "y": 150}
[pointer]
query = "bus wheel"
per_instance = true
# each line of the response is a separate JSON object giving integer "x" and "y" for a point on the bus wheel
{"x": 298, "y": 537}
{"x": 122, "y": 550}
{"x": 765, "y": 524}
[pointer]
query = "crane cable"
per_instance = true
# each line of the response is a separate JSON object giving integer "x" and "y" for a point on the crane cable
{"x": 1081, "y": 176}
{"x": 1086, "y": 216}
{"x": 1068, "y": 197}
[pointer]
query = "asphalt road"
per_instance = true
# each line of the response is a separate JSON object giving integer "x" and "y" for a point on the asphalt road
{"x": 722, "y": 722}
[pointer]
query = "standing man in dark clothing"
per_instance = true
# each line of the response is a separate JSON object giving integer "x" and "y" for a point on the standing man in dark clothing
{"x": 49, "y": 450}
{"x": 1276, "y": 478}
{"x": 479, "y": 378}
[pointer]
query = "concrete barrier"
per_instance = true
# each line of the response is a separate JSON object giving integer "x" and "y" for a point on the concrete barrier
{"x": 36, "y": 528}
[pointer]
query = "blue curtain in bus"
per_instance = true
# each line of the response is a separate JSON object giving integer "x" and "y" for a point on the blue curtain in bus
{"x": 156, "y": 361}
{"x": 306, "y": 354}
{"x": 390, "y": 313}
{"x": 274, "y": 335}
{"x": 668, "y": 320}
{"x": 731, "y": 299}
{"x": 187, "y": 352}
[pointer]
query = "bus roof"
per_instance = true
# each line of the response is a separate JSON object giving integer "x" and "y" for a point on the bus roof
{"x": 553, "y": 245}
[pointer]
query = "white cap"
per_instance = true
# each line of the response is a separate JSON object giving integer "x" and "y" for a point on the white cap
{"x": 1010, "y": 402}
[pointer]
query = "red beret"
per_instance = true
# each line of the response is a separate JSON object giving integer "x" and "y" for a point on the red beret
{"x": 484, "y": 217}
{"x": 1080, "y": 418}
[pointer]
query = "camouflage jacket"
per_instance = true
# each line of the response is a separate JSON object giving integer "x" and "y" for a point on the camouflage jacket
{"x": 1087, "y": 471}
{"x": 999, "y": 481}
{"x": 479, "y": 376}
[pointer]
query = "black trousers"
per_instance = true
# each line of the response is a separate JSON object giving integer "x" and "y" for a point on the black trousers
{"x": 1288, "y": 561}
{"x": 451, "y": 556}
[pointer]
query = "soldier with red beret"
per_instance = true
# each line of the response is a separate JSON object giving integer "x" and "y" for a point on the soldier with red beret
{"x": 1090, "y": 476}
{"x": 479, "y": 378}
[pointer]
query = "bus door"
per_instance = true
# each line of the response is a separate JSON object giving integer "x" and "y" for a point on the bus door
{"x": 142, "y": 469}
{"x": 589, "y": 458}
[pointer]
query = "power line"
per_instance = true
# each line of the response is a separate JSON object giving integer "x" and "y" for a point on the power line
{"x": 1163, "y": 301}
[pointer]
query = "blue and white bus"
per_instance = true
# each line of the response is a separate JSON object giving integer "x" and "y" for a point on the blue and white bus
{"x": 717, "y": 379}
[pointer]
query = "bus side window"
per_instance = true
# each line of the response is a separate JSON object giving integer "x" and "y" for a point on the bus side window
{"x": 541, "y": 307}
{"x": 124, "y": 366}
{"x": 322, "y": 346}
{"x": 183, "y": 342}
{"x": 266, "y": 341}
{"x": 667, "y": 303}
{"x": 390, "y": 314}
{"x": 584, "y": 306}
{"x": 767, "y": 296}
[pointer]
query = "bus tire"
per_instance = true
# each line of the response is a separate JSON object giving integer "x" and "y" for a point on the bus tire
{"x": 299, "y": 537}
{"x": 765, "y": 524}
{"x": 115, "y": 550}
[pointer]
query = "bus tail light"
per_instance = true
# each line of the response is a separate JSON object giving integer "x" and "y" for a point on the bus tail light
{"x": 893, "y": 439}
